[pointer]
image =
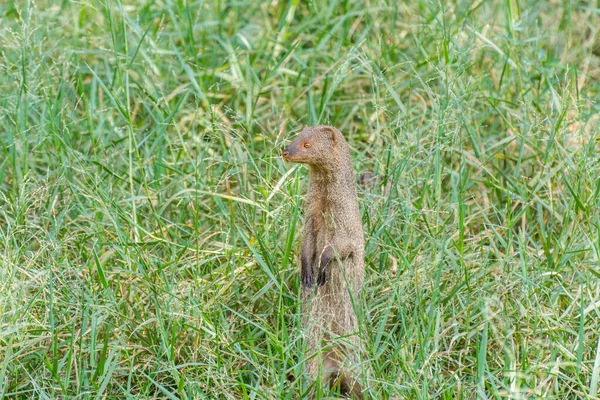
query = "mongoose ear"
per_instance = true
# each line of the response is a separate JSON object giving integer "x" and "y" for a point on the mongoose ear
{"x": 333, "y": 133}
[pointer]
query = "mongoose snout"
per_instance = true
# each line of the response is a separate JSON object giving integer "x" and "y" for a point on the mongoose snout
{"x": 314, "y": 146}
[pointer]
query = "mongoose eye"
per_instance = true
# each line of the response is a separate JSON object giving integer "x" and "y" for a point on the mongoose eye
{"x": 306, "y": 145}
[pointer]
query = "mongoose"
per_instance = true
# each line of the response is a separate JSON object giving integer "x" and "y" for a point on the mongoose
{"x": 331, "y": 258}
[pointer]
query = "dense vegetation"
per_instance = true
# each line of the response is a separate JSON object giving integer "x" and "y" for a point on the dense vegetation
{"x": 148, "y": 226}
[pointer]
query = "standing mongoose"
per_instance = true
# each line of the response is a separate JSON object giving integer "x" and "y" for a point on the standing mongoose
{"x": 331, "y": 258}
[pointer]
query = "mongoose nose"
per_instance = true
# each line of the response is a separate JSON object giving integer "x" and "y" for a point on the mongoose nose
{"x": 285, "y": 154}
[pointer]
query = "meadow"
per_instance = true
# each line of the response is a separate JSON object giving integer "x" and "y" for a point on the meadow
{"x": 149, "y": 227}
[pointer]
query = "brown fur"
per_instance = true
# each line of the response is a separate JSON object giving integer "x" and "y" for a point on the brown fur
{"x": 331, "y": 258}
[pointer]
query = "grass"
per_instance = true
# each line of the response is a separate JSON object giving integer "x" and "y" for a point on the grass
{"x": 148, "y": 226}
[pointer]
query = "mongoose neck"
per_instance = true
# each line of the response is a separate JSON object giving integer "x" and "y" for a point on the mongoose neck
{"x": 331, "y": 183}
{"x": 331, "y": 178}
{"x": 332, "y": 190}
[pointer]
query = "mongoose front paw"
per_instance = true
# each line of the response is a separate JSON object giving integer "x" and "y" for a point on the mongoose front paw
{"x": 307, "y": 280}
{"x": 324, "y": 267}
{"x": 323, "y": 276}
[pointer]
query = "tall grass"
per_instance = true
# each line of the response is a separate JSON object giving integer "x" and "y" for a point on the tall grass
{"x": 148, "y": 225}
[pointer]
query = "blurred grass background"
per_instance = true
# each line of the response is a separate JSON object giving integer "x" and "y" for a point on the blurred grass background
{"x": 148, "y": 226}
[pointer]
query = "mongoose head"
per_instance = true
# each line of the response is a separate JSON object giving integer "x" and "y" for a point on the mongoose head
{"x": 321, "y": 147}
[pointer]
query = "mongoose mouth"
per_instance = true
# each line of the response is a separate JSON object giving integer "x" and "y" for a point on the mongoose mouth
{"x": 291, "y": 156}
{"x": 295, "y": 160}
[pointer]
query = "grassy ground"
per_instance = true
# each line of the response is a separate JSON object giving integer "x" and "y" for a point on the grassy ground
{"x": 148, "y": 224}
